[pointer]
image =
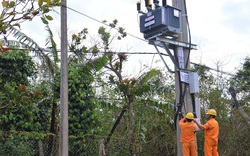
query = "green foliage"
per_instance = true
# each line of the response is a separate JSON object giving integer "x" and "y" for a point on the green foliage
{"x": 51, "y": 44}
{"x": 243, "y": 74}
{"x": 16, "y": 66}
{"x": 21, "y": 143}
{"x": 106, "y": 35}
{"x": 82, "y": 104}
{"x": 84, "y": 116}
{"x": 149, "y": 104}
{"x": 13, "y": 147}
{"x": 236, "y": 126}
{"x": 15, "y": 12}
{"x": 83, "y": 145}
{"x": 151, "y": 95}
{"x": 83, "y": 113}
{"x": 147, "y": 80}
{"x": 97, "y": 64}
{"x": 133, "y": 93}
{"x": 241, "y": 82}
{"x": 232, "y": 128}
{"x": 20, "y": 119}
{"x": 77, "y": 41}
{"x": 21, "y": 110}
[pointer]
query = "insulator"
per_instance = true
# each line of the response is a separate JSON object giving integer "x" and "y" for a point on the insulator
{"x": 155, "y": 1}
{"x": 149, "y": 3}
{"x": 164, "y": 2}
{"x": 146, "y": 3}
{"x": 138, "y": 4}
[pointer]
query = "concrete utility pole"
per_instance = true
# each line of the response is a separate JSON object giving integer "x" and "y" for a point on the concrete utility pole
{"x": 63, "y": 138}
{"x": 183, "y": 37}
{"x": 167, "y": 27}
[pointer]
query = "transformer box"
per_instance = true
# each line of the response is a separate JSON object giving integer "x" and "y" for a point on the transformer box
{"x": 163, "y": 20}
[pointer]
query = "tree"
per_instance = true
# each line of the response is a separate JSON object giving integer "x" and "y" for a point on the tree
{"x": 127, "y": 89}
{"x": 240, "y": 89}
{"x": 47, "y": 63}
{"x": 241, "y": 81}
{"x": 82, "y": 101}
{"x": 152, "y": 104}
{"x": 19, "y": 99}
{"x": 237, "y": 104}
{"x": 15, "y": 12}
{"x": 136, "y": 101}
{"x": 83, "y": 113}
{"x": 240, "y": 111}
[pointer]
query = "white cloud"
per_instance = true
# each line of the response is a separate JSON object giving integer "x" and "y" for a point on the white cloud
{"x": 222, "y": 29}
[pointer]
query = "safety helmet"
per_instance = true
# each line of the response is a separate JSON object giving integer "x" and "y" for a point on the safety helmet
{"x": 211, "y": 112}
{"x": 190, "y": 116}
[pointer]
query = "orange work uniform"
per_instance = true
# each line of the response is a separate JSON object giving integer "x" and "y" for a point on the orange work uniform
{"x": 211, "y": 131}
{"x": 187, "y": 138}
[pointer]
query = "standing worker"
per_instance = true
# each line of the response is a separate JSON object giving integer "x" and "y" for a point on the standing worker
{"x": 211, "y": 132}
{"x": 187, "y": 136}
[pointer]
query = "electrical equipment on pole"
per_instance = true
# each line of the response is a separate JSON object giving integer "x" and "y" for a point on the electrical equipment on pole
{"x": 163, "y": 20}
{"x": 166, "y": 27}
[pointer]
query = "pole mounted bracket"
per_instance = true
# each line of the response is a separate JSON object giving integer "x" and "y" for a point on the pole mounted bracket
{"x": 169, "y": 43}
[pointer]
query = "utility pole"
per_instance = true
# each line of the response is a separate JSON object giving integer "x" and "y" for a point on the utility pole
{"x": 63, "y": 138}
{"x": 167, "y": 27}
{"x": 186, "y": 104}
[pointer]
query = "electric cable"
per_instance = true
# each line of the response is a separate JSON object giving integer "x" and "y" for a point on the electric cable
{"x": 102, "y": 22}
{"x": 190, "y": 42}
{"x": 183, "y": 90}
{"x": 189, "y": 32}
{"x": 227, "y": 73}
{"x": 189, "y": 35}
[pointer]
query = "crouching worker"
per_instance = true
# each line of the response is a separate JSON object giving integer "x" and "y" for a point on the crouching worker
{"x": 187, "y": 136}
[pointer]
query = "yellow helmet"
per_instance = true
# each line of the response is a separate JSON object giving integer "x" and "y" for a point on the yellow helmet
{"x": 211, "y": 112}
{"x": 190, "y": 116}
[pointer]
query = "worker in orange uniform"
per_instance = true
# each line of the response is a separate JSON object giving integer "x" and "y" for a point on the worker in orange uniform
{"x": 211, "y": 132}
{"x": 187, "y": 138}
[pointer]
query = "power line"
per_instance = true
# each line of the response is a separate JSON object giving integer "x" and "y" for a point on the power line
{"x": 219, "y": 71}
{"x": 133, "y": 53}
{"x": 102, "y": 22}
{"x": 129, "y": 53}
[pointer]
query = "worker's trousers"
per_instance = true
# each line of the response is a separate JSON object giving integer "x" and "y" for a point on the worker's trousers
{"x": 189, "y": 149}
{"x": 211, "y": 148}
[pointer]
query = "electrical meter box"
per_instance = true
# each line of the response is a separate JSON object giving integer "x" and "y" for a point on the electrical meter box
{"x": 163, "y": 20}
{"x": 193, "y": 82}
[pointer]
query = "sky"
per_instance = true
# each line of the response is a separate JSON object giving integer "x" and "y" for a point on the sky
{"x": 220, "y": 29}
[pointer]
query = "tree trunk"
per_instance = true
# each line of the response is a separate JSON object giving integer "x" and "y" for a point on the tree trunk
{"x": 53, "y": 129}
{"x": 114, "y": 126}
{"x": 241, "y": 110}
